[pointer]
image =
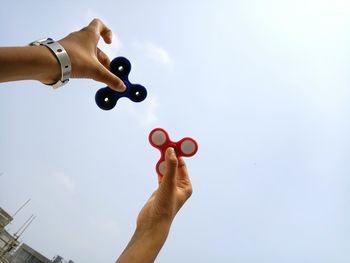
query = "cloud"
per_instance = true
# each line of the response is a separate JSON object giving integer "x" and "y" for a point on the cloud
{"x": 144, "y": 113}
{"x": 112, "y": 49}
{"x": 154, "y": 52}
{"x": 107, "y": 226}
{"x": 65, "y": 182}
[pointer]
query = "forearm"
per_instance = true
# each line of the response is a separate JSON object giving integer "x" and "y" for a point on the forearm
{"x": 145, "y": 245}
{"x": 28, "y": 63}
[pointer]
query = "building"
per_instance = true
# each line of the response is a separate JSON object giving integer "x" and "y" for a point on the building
{"x": 12, "y": 251}
{"x": 5, "y": 218}
{"x": 26, "y": 254}
{"x": 8, "y": 243}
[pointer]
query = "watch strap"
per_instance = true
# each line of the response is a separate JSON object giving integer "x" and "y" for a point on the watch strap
{"x": 62, "y": 56}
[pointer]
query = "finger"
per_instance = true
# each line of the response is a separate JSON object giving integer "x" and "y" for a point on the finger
{"x": 183, "y": 180}
{"x": 101, "y": 29}
{"x": 181, "y": 163}
{"x": 182, "y": 169}
{"x": 103, "y": 58}
{"x": 111, "y": 80}
{"x": 171, "y": 161}
{"x": 160, "y": 179}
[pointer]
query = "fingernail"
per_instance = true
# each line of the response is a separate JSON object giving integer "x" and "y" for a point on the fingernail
{"x": 122, "y": 87}
{"x": 172, "y": 151}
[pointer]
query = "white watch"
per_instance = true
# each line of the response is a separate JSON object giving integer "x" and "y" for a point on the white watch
{"x": 62, "y": 56}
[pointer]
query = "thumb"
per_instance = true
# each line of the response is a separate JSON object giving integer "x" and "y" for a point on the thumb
{"x": 110, "y": 79}
{"x": 171, "y": 163}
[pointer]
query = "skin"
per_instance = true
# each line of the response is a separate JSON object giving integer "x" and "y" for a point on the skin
{"x": 155, "y": 218}
{"x": 88, "y": 61}
{"x": 39, "y": 63}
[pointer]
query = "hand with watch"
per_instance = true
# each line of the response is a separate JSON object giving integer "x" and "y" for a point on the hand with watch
{"x": 53, "y": 63}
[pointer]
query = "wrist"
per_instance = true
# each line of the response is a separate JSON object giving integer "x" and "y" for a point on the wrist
{"x": 50, "y": 70}
{"x": 159, "y": 229}
{"x": 29, "y": 63}
{"x": 145, "y": 244}
{"x": 61, "y": 56}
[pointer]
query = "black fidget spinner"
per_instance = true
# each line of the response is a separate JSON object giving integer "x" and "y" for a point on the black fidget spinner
{"x": 106, "y": 98}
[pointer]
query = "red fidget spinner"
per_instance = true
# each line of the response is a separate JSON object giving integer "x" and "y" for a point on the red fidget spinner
{"x": 159, "y": 139}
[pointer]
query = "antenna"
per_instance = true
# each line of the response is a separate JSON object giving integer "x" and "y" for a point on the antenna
{"x": 21, "y": 208}
{"x": 13, "y": 243}
{"x": 24, "y": 226}
{"x": 27, "y": 225}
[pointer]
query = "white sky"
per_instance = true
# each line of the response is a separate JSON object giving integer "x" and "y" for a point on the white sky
{"x": 263, "y": 86}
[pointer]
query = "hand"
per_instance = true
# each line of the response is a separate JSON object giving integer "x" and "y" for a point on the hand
{"x": 38, "y": 62}
{"x": 155, "y": 218}
{"x": 173, "y": 191}
{"x": 87, "y": 60}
